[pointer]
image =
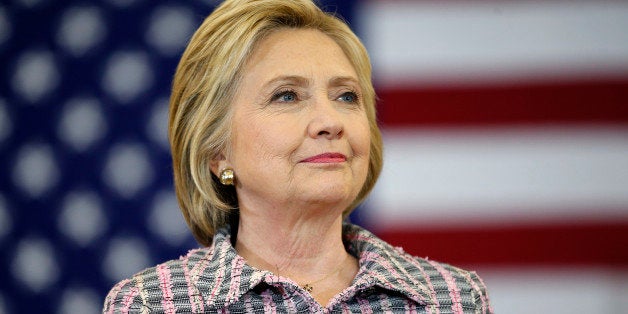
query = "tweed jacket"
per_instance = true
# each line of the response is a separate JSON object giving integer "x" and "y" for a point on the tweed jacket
{"x": 217, "y": 280}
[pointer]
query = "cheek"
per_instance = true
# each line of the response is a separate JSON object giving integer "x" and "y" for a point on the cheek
{"x": 248, "y": 145}
{"x": 361, "y": 139}
{"x": 262, "y": 140}
{"x": 361, "y": 146}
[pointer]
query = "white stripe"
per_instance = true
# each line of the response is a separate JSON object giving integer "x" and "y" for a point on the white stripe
{"x": 497, "y": 41}
{"x": 502, "y": 175}
{"x": 557, "y": 291}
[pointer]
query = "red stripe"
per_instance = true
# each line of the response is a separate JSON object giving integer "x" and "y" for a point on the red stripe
{"x": 551, "y": 245}
{"x": 573, "y": 102}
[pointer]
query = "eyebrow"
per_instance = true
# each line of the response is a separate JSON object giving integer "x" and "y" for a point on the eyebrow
{"x": 292, "y": 79}
{"x": 343, "y": 80}
{"x": 302, "y": 81}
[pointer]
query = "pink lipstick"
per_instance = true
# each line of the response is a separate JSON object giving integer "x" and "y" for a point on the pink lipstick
{"x": 326, "y": 158}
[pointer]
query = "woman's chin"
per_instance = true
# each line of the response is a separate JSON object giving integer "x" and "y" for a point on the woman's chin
{"x": 330, "y": 196}
{"x": 334, "y": 189}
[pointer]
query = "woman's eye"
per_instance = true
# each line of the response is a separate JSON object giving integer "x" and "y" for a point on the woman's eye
{"x": 349, "y": 97}
{"x": 285, "y": 96}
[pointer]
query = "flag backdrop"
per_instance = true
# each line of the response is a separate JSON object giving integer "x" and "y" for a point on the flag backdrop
{"x": 506, "y": 145}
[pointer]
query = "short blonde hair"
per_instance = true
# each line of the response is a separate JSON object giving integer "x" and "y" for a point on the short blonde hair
{"x": 205, "y": 83}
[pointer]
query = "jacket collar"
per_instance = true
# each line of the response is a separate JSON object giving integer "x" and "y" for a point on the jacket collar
{"x": 381, "y": 266}
{"x": 387, "y": 267}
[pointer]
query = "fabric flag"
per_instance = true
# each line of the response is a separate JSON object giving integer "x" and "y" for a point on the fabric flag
{"x": 506, "y": 144}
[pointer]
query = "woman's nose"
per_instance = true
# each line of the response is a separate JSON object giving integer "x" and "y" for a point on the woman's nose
{"x": 326, "y": 121}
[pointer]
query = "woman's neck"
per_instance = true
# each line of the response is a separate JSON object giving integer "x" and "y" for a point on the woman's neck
{"x": 304, "y": 250}
{"x": 284, "y": 245}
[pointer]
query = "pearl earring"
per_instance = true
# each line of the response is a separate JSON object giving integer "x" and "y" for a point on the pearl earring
{"x": 227, "y": 176}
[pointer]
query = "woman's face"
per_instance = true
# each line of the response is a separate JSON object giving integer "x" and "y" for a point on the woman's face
{"x": 300, "y": 134}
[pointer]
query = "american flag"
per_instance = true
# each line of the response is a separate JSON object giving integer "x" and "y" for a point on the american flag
{"x": 505, "y": 128}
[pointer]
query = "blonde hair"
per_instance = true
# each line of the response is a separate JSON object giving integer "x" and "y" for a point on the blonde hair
{"x": 204, "y": 85}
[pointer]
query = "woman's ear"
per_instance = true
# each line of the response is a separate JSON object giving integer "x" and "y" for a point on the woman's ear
{"x": 218, "y": 163}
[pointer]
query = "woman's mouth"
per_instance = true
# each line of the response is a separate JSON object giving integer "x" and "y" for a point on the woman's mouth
{"x": 326, "y": 158}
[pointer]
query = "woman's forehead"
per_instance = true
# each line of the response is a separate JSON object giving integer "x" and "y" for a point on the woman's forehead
{"x": 298, "y": 53}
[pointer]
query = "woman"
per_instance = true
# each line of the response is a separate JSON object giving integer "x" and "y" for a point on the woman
{"x": 274, "y": 141}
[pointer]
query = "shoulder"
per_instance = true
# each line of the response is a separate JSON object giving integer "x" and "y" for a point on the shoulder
{"x": 449, "y": 287}
{"x": 443, "y": 285}
{"x": 158, "y": 286}
{"x": 455, "y": 287}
